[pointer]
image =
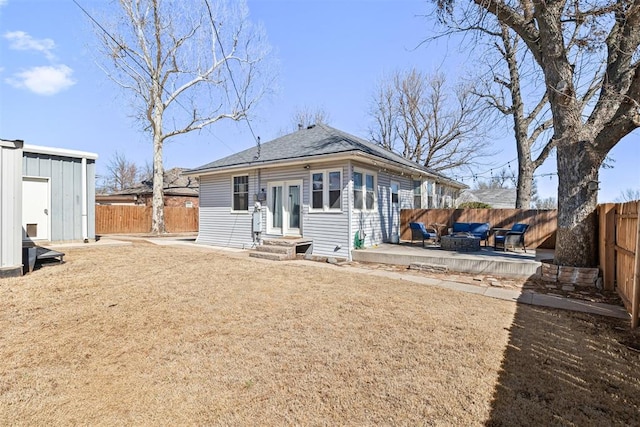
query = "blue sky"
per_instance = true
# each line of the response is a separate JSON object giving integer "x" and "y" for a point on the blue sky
{"x": 330, "y": 55}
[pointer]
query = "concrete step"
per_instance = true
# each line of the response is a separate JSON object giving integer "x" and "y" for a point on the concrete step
{"x": 280, "y": 242}
{"x": 276, "y": 249}
{"x": 269, "y": 256}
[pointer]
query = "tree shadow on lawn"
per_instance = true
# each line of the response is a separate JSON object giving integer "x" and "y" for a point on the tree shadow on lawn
{"x": 568, "y": 368}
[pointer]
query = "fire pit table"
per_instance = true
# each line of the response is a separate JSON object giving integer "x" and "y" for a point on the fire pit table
{"x": 460, "y": 242}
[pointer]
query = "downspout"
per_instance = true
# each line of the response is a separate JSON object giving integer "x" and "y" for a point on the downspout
{"x": 85, "y": 223}
{"x": 350, "y": 209}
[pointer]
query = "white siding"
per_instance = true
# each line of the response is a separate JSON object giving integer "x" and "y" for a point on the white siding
{"x": 11, "y": 207}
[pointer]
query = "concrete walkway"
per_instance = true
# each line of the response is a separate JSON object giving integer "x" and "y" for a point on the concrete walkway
{"x": 526, "y": 297}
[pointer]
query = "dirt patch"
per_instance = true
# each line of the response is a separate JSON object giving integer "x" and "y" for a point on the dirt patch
{"x": 143, "y": 334}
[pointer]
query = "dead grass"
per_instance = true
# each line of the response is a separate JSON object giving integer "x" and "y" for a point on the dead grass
{"x": 171, "y": 335}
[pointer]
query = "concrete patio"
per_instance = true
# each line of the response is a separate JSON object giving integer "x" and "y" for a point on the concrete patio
{"x": 486, "y": 261}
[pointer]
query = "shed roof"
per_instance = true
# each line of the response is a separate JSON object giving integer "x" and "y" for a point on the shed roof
{"x": 313, "y": 142}
{"x": 61, "y": 152}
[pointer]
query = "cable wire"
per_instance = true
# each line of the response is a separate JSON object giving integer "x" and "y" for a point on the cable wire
{"x": 233, "y": 81}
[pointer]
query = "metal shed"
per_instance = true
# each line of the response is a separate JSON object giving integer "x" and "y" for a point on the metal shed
{"x": 58, "y": 203}
{"x": 10, "y": 208}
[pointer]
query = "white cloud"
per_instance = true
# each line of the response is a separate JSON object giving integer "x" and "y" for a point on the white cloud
{"x": 47, "y": 80}
{"x": 3, "y": 2}
{"x": 23, "y": 41}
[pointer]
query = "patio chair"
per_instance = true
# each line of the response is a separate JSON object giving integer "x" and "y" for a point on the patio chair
{"x": 420, "y": 232}
{"x": 511, "y": 238}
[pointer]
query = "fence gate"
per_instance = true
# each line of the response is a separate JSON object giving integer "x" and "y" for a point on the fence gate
{"x": 619, "y": 247}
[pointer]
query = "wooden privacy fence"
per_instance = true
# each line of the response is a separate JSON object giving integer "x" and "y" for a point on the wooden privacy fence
{"x": 619, "y": 250}
{"x": 122, "y": 219}
{"x": 542, "y": 223}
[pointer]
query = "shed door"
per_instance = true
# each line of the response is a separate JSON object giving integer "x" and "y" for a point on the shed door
{"x": 35, "y": 208}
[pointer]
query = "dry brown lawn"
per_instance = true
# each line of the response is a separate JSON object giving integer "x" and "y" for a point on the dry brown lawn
{"x": 147, "y": 334}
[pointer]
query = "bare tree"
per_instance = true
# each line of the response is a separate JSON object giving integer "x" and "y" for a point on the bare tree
{"x": 186, "y": 65}
{"x": 121, "y": 174}
{"x": 629, "y": 195}
{"x": 504, "y": 92}
{"x": 568, "y": 39}
{"x": 502, "y": 180}
{"x": 304, "y": 117}
{"x": 414, "y": 116}
{"x": 546, "y": 203}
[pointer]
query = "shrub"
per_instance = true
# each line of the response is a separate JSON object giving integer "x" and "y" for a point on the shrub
{"x": 474, "y": 205}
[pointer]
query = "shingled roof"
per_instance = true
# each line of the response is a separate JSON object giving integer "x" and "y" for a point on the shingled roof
{"x": 314, "y": 141}
{"x": 175, "y": 184}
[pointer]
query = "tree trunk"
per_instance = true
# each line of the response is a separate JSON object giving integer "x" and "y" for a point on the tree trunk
{"x": 525, "y": 183}
{"x": 157, "y": 218}
{"x": 576, "y": 240}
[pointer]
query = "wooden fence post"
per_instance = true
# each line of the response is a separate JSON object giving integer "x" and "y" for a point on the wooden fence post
{"x": 607, "y": 243}
{"x": 635, "y": 302}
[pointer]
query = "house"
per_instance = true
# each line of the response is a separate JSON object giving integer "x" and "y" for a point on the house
{"x": 317, "y": 183}
{"x": 179, "y": 191}
{"x": 58, "y": 188}
{"x": 497, "y": 198}
{"x": 10, "y": 208}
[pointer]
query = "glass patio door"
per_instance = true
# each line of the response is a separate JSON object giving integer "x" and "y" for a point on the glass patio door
{"x": 293, "y": 210}
{"x": 284, "y": 204}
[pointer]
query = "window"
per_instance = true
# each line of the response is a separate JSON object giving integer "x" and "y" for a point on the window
{"x": 369, "y": 190}
{"x": 317, "y": 190}
{"x": 430, "y": 195}
{"x": 394, "y": 192}
{"x": 240, "y": 193}
{"x": 357, "y": 190}
{"x": 326, "y": 191}
{"x": 363, "y": 190}
{"x": 417, "y": 194}
{"x": 335, "y": 190}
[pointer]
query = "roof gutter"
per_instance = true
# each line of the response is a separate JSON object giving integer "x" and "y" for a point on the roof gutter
{"x": 61, "y": 152}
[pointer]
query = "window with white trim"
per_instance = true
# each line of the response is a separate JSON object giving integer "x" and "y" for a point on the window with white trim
{"x": 326, "y": 191}
{"x": 240, "y": 200}
{"x": 417, "y": 194}
{"x": 364, "y": 196}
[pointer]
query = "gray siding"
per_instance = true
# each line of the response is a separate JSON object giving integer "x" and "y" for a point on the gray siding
{"x": 219, "y": 226}
{"x": 65, "y": 174}
{"x": 377, "y": 225}
{"x": 329, "y": 230}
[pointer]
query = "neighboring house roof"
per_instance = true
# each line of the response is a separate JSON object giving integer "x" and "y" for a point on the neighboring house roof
{"x": 313, "y": 142}
{"x": 175, "y": 184}
{"x": 499, "y": 198}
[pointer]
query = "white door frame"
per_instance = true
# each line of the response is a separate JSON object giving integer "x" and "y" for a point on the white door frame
{"x": 25, "y": 199}
{"x": 285, "y": 230}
